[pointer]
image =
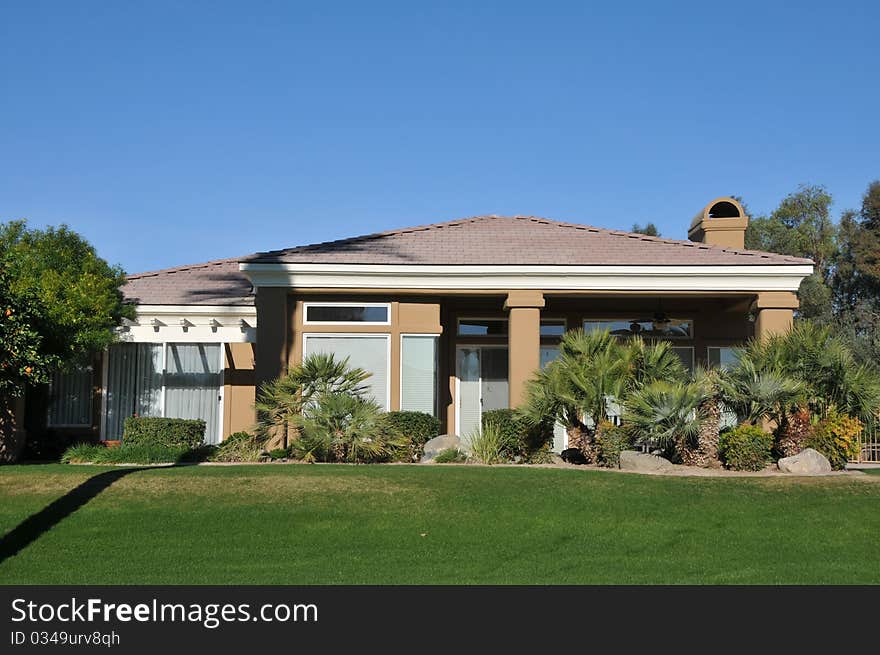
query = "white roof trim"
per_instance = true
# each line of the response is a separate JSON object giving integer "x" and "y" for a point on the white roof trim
{"x": 191, "y": 324}
{"x": 766, "y": 277}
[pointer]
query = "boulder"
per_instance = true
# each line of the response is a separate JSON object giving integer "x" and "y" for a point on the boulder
{"x": 573, "y": 456}
{"x": 437, "y": 445}
{"x": 631, "y": 460}
{"x": 806, "y": 462}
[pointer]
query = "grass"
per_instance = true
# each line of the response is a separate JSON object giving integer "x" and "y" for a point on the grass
{"x": 338, "y": 524}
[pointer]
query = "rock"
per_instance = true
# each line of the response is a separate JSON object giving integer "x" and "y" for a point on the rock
{"x": 806, "y": 462}
{"x": 631, "y": 460}
{"x": 573, "y": 456}
{"x": 437, "y": 445}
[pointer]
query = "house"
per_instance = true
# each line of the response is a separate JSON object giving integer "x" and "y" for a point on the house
{"x": 451, "y": 318}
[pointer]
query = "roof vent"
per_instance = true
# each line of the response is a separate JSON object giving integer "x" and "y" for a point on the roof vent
{"x": 722, "y": 222}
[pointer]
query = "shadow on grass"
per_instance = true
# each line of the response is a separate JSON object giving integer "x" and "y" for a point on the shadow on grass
{"x": 34, "y": 526}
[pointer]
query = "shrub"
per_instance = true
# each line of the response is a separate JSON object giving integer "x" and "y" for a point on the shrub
{"x": 279, "y": 453}
{"x": 170, "y": 432}
{"x": 836, "y": 437}
{"x": 491, "y": 446}
{"x": 521, "y": 437}
{"x": 344, "y": 428}
{"x": 450, "y": 456}
{"x": 238, "y": 447}
{"x": 611, "y": 440}
{"x": 746, "y": 447}
{"x": 413, "y": 428}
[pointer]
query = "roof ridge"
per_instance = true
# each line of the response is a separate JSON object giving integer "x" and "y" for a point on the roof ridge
{"x": 684, "y": 243}
{"x": 184, "y": 267}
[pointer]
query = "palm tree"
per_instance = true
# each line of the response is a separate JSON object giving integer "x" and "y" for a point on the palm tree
{"x": 574, "y": 389}
{"x": 281, "y": 402}
{"x": 346, "y": 427}
{"x": 664, "y": 414}
{"x": 711, "y": 382}
{"x": 758, "y": 393}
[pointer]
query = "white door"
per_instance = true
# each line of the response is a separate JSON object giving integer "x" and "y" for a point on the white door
{"x": 482, "y": 373}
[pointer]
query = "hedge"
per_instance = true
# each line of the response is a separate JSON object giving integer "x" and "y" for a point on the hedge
{"x": 746, "y": 447}
{"x": 415, "y": 427}
{"x": 169, "y": 432}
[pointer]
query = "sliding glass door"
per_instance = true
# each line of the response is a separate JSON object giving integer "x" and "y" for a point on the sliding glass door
{"x": 175, "y": 380}
{"x": 482, "y": 384}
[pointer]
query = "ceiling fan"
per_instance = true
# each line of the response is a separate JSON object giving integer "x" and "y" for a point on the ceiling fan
{"x": 660, "y": 321}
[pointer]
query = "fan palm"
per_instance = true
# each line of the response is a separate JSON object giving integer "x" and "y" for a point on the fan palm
{"x": 664, "y": 414}
{"x": 281, "y": 401}
{"x": 346, "y": 427}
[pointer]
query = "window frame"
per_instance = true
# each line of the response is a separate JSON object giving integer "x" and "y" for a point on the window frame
{"x": 552, "y": 320}
{"x": 309, "y": 304}
{"x": 361, "y": 335}
{"x": 709, "y": 348}
{"x": 436, "y": 338}
{"x": 690, "y": 337}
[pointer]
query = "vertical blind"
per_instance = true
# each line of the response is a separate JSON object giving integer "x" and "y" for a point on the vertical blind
{"x": 418, "y": 380}
{"x": 134, "y": 384}
{"x": 367, "y": 352}
{"x": 70, "y": 398}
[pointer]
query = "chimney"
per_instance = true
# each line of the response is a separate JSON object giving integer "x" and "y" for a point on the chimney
{"x": 722, "y": 222}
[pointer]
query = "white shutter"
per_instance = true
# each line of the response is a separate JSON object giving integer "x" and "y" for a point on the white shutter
{"x": 418, "y": 380}
{"x": 369, "y": 352}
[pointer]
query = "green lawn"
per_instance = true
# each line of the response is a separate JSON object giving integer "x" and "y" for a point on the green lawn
{"x": 329, "y": 524}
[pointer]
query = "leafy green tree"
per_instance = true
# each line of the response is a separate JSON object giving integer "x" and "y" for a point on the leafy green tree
{"x": 801, "y": 226}
{"x": 649, "y": 229}
{"x": 59, "y": 303}
{"x": 73, "y": 297}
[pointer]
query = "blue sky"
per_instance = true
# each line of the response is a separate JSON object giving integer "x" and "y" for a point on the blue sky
{"x": 171, "y": 133}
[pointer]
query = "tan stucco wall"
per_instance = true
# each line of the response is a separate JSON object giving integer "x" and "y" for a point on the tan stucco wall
{"x": 238, "y": 388}
{"x": 524, "y": 341}
{"x": 773, "y": 321}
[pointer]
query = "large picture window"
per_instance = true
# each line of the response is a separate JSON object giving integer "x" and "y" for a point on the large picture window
{"x": 418, "y": 373}
{"x": 70, "y": 398}
{"x": 482, "y": 327}
{"x": 367, "y": 351}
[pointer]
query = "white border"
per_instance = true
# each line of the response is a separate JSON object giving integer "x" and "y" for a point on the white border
{"x": 360, "y": 335}
{"x": 757, "y": 277}
{"x": 436, "y": 338}
{"x": 306, "y": 305}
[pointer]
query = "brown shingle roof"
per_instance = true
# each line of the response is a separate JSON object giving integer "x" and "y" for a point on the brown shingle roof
{"x": 218, "y": 282}
{"x": 490, "y": 240}
{"x": 511, "y": 240}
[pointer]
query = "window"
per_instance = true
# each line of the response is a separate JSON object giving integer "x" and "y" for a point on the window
{"x": 482, "y": 327}
{"x": 174, "y": 380}
{"x": 722, "y": 357}
{"x": 553, "y": 327}
{"x": 70, "y": 398}
{"x": 686, "y": 355}
{"x": 668, "y": 329}
{"x": 418, "y": 373}
{"x": 341, "y": 313}
{"x": 367, "y": 351}
{"x": 548, "y": 354}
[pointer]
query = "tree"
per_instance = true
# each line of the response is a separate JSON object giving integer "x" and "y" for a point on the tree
{"x": 663, "y": 414}
{"x": 59, "y": 303}
{"x": 649, "y": 229}
{"x": 74, "y": 297}
{"x": 801, "y": 226}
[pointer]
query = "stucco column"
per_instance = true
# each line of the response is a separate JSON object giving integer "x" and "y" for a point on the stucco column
{"x": 774, "y": 313}
{"x": 271, "y": 347}
{"x": 524, "y": 340}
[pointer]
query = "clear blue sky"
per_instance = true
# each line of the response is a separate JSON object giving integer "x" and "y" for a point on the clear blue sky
{"x": 176, "y": 132}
